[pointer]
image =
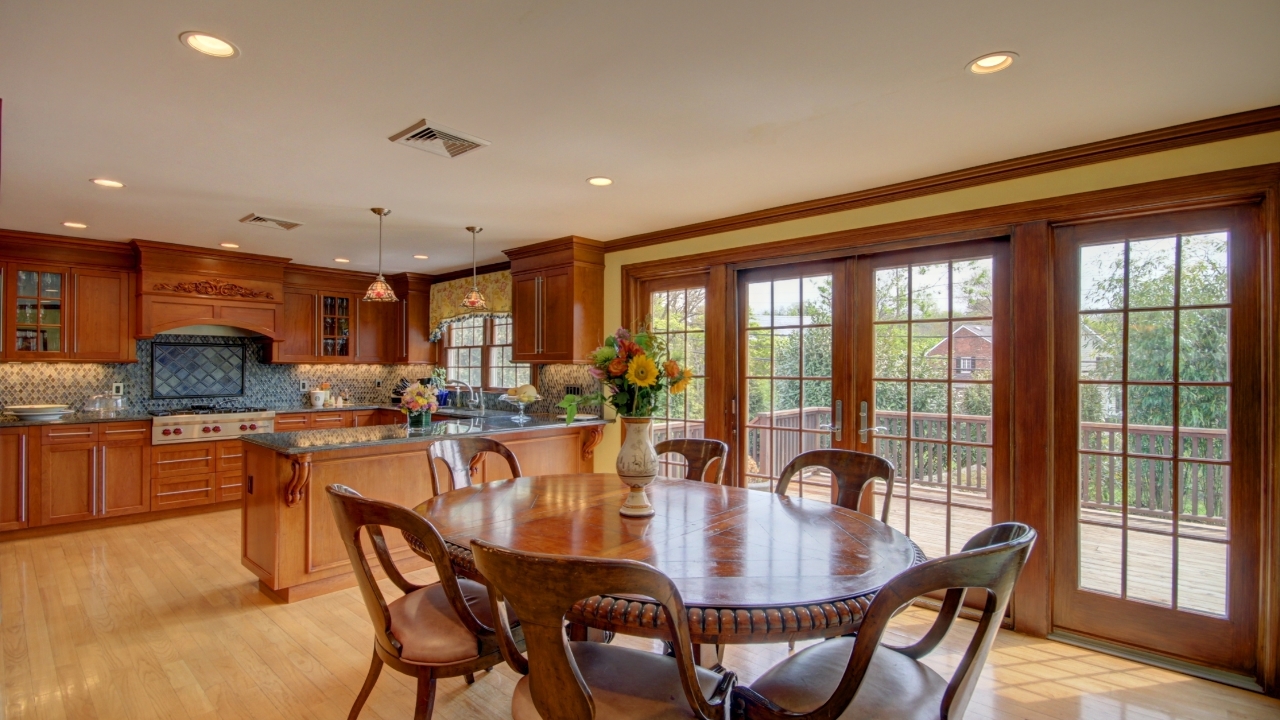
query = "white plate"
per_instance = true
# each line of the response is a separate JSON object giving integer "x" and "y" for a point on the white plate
{"x": 40, "y": 415}
{"x": 18, "y": 409}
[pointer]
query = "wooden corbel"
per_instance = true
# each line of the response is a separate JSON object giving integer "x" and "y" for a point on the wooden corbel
{"x": 297, "y": 486}
{"x": 590, "y": 439}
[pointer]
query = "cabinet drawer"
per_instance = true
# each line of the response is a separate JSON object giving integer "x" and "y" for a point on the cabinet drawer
{"x": 124, "y": 431}
{"x": 61, "y": 434}
{"x": 230, "y": 485}
{"x": 330, "y": 419}
{"x": 296, "y": 421}
{"x": 183, "y": 491}
{"x": 179, "y": 460}
{"x": 228, "y": 455}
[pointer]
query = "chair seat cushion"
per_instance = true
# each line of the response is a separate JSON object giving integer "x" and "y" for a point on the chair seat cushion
{"x": 896, "y": 687}
{"x": 626, "y": 684}
{"x": 428, "y": 629}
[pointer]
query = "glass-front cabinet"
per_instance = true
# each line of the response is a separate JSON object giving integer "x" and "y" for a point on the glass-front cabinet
{"x": 335, "y": 325}
{"x": 37, "y": 325}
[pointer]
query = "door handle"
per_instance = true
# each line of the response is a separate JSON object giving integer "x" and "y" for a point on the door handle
{"x": 103, "y": 501}
{"x": 862, "y": 424}
{"x": 836, "y": 428}
{"x": 25, "y": 479}
{"x": 93, "y": 481}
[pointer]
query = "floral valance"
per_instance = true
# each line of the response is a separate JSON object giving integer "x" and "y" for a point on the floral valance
{"x": 446, "y": 300}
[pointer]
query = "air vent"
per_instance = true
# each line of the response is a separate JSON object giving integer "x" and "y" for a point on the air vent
{"x": 268, "y": 222}
{"x": 437, "y": 139}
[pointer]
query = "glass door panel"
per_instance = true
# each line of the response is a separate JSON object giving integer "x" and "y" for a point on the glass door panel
{"x": 335, "y": 335}
{"x": 678, "y": 315}
{"x": 38, "y": 312}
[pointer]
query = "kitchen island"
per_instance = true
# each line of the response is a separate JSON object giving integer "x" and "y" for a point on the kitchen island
{"x": 288, "y": 535}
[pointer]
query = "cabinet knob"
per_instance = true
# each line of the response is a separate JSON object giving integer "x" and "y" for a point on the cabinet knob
{"x": 204, "y": 429}
{"x": 166, "y": 431}
{"x": 177, "y": 431}
{"x": 244, "y": 427}
{"x": 217, "y": 428}
{"x": 253, "y": 427}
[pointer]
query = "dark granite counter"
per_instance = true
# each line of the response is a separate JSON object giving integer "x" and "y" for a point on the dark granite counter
{"x": 308, "y": 441}
{"x": 290, "y": 410}
{"x": 77, "y": 418}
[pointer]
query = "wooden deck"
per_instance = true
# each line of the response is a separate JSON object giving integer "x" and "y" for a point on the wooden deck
{"x": 159, "y": 620}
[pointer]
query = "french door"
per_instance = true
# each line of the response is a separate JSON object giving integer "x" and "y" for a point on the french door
{"x": 902, "y": 354}
{"x": 1158, "y": 439}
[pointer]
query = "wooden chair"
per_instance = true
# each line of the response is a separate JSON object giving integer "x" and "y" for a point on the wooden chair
{"x": 432, "y": 631}
{"x": 858, "y": 677}
{"x": 698, "y": 455}
{"x": 852, "y": 472}
{"x": 585, "y": 680}
{"x": 460, "y": 454}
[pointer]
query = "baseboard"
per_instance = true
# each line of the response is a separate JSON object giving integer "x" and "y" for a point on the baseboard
{"x": 1145, "y": 657}
{"x": 99, "y": 523}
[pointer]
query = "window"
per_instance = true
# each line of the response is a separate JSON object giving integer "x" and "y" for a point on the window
{"x": 964, "y": 364}
{"x": 478, "y": 352}
{"x": 677, "y": 314}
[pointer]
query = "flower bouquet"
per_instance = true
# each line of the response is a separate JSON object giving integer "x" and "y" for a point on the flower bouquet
{"x": 635, "y": 373}
{"x": 418, "y": 402}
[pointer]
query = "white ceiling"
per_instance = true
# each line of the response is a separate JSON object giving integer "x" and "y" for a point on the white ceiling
{"x": 697, "y": 109}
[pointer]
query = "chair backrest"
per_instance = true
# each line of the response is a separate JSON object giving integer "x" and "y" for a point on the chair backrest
{"x": 559, "y": 581}
{"x": 852, "y": 472}
{"x": 698, "y": 455}
{"x": 991, "y": 561}
{"x": 354, "y": 512}
{"x": 459, "y": 454}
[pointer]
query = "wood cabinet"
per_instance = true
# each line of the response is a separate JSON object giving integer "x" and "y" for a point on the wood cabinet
{"x": 89, "y": 471}
{"x": 301, "y": 328}
{"x": 289, "y": 422}
{"x": 378, "y": 331}
{"x": 102, "y": 316}
{"x": 228, "y": 463}
{"x": 15, "y": 477}
{"x": 125, "y": 481}
{"x": 331, "y": 419}
{"x": 62, "y": 313}
{"x": 183, "y": 475}
{"x": 556, "y": 300}
{"x": 414, "y": 321}
{"x": 365, "y": 418}
{"x": 37, "y": 303}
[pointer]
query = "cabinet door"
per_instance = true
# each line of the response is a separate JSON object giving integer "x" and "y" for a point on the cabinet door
{"x": 100, "y": 327}
{"x": 328, "y": 419}
{"x": 68, "y": 482}
{"x": 289, "y": 423}
{"x": 337, "y": 327}
{"x": 229, "y": 462}
{"x": 377, "y": 331}
{"x": 364, "y": 418}
{"x": 14, "y": 478}
{"x": 38, "y": 305}
{"x": 301, "y": 327}
{"x": 525, "y": 315}
{"x": 558, "y": 321}
{"x": 124, "y": 484}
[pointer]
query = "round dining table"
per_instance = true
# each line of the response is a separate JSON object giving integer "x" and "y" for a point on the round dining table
{"x": 751, "y": 566}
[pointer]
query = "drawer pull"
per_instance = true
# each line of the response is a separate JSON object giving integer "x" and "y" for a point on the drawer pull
{"x": 229, "y": 456}
{"x": 121, "y": 432}
{"x": 224, "y": 487}
{"x": 74, "y": 434}
{"x": 184, "y": 460}
{"x": 184, "y": 492}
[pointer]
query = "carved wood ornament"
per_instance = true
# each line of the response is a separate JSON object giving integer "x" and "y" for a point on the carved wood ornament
{"x": 298, "y": 482}
{"x": 214, "y": 287}
{"x": 590, "y": 439}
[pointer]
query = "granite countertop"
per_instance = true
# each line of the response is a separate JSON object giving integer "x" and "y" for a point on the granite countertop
{"x": 307, "y": 441}
{"x": 7, "y": 420}
{"x": 310, "y": 409}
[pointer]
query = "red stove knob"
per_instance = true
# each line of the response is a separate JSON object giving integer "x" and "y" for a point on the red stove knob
{"x": 204, "y": 429}
{"x": 253, "y": 427}
{"x": 166, "y": 431}
{"x": 177, "y": 431}
{"x": 244, "y": 427}
{"x": 217, "y": 428}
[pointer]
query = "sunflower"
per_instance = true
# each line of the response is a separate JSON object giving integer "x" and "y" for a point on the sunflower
{"x": 642, "y": 372}
{"x": 678, "y": 386}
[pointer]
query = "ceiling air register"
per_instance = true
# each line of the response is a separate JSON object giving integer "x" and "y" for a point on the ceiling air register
{"x": 437, "y": 139}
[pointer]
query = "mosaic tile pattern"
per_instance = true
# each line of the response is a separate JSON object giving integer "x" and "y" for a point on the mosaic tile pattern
{"x": 203, "y": 371}
{"x": 273, "y": 386}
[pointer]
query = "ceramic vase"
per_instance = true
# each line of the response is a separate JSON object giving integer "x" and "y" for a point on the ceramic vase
{"x": 637, "y": 465}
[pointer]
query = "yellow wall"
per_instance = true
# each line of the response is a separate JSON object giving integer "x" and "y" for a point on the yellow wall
{"x": 1225, "y": 155}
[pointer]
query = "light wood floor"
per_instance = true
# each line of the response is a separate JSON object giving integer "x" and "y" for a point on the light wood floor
{"x": 158, "y": 620}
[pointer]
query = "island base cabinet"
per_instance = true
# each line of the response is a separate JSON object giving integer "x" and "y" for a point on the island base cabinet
{"x": 15, "y": 477}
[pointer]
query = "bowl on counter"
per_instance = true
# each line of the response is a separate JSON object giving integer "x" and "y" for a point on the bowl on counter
{"x": 38, "y": 412}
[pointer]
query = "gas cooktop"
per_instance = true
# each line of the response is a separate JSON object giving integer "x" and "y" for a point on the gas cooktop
{"x": 207, "y": 410}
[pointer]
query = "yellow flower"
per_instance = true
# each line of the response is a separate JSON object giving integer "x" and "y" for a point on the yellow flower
{"x": 678, "y": 386}
{"x": 641, "y": 372}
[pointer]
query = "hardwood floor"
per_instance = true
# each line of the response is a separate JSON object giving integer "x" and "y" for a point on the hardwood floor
{"x": 158, "y": 620}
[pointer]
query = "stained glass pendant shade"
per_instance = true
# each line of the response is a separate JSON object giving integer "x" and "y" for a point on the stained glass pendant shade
{"x": 379, "y": 290}
{"x": 474, "y": 301}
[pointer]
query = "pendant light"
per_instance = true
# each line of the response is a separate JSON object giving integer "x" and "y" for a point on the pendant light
{"x": 474, "y": 301}
{"x": 379, "y": 290}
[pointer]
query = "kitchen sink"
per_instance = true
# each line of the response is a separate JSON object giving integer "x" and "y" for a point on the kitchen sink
{"x": 468, "y": 413}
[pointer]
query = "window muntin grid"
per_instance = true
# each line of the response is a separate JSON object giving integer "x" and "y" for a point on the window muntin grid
{"x": 679, "y": 317}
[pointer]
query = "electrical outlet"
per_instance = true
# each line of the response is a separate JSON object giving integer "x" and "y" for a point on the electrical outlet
{"x": 377, "y": 383}
{"x": 303, "y": 383}
{"x": 117, "y": 388}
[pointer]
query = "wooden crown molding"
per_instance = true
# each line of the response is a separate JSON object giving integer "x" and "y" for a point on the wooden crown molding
{"x": 61, "y": 249}
{"x": 1226, "y": 127}
{"x": 466, "y": 272}
{"x": 152, "y": 246}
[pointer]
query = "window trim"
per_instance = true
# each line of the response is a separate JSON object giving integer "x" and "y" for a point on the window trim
{"x": 486, "y": 346}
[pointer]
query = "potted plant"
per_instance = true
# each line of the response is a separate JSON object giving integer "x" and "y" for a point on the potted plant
{"x": 635, "y": 374}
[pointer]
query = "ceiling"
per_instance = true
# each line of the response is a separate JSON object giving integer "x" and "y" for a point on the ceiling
{"x": 698, "y": 110}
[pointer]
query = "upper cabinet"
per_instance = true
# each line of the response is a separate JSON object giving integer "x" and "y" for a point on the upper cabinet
{"x": 102, "y": 321}
{"x": 65, "y": 313}
{"x": 557, "y": 299}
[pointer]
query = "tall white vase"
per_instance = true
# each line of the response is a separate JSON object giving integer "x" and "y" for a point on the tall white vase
{"x": 637, "y": 465}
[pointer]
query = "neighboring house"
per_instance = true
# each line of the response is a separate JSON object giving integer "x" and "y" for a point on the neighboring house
{"x": 970, "y": 348}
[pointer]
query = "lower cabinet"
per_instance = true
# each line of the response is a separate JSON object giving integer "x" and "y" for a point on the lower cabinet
{"x": 15, "y": 478}
{"x": 183, "y": 475}
{"x": 229, "y": 465}
{"x": 331, "y": 419}
{"x": 292, "y": 421}
{"x": 89, "y": 471}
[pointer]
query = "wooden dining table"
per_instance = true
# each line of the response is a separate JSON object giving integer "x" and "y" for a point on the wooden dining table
{"x": 751, "y": 566}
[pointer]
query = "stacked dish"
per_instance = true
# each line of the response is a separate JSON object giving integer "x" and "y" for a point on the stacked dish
{"x": 39, "y": 413}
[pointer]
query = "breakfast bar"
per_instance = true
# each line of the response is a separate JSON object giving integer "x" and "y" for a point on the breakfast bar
{"x": 289, "y": 539}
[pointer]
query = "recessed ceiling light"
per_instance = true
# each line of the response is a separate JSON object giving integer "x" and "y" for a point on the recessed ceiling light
{"x": 600, "y": 181}
{"x": 991, "y": 63}
{"x": 230, "y": 245}
{"x": 108, "y": 183}
{"x": 420, "y": 257}
{"x": 209, "y": 45}
{"x": 341, "y": 260}
{"x": 76, "y": 225}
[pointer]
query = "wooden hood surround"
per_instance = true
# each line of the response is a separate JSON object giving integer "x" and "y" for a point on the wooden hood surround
{"x": 180, "y": 285}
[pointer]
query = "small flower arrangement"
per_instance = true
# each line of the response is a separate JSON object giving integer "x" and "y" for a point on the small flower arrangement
{"x": 634, "y": 371}
{"x": 418, "y": 399}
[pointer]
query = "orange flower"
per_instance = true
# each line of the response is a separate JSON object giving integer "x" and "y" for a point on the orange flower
{"x": 672, "y": 369}
{"x": 618, "y": 366}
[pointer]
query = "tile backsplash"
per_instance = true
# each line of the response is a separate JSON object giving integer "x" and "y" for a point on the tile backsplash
{"x": 273, "y": 386}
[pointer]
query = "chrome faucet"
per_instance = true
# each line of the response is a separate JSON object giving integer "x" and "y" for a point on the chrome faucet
{"x": 473, "y": 398}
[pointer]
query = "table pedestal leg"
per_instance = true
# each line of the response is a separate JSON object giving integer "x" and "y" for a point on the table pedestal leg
{"x": 709, "y": 656}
